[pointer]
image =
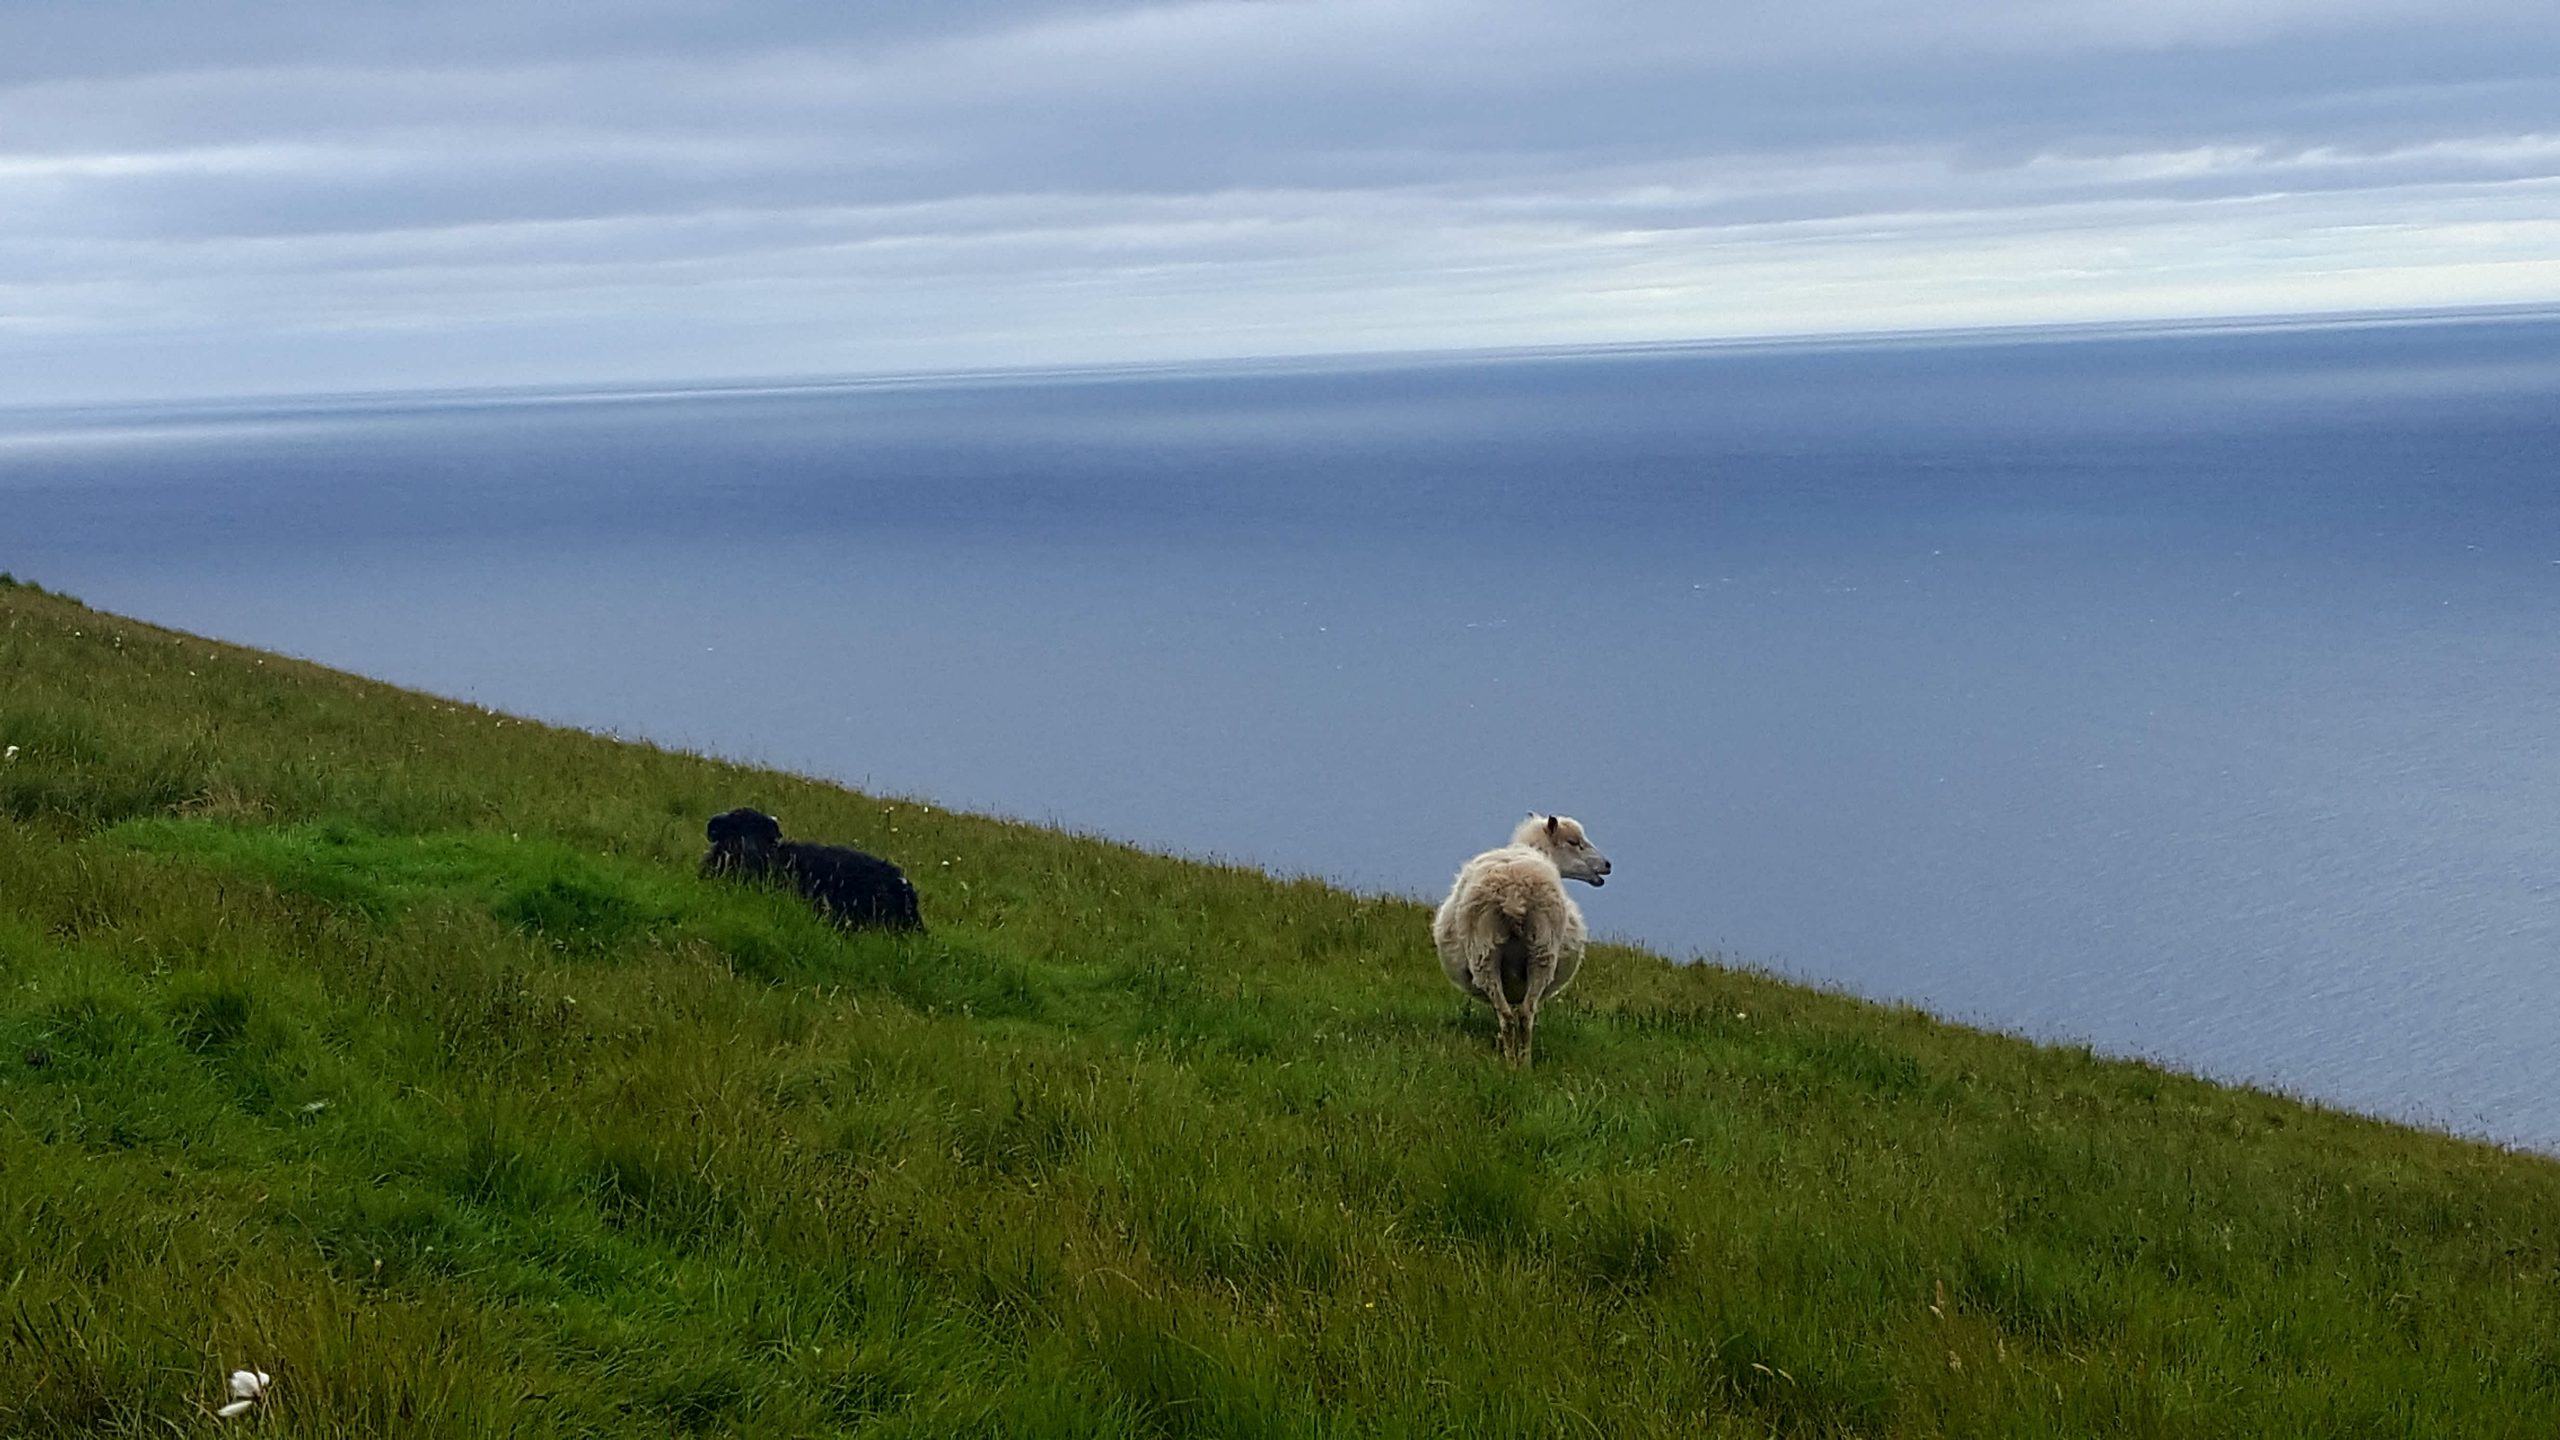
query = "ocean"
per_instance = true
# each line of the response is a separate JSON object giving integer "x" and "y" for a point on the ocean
{"x": 2188, "y": 693}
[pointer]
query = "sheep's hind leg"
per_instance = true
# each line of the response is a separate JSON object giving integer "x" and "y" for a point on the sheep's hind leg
{"x": 1484, "y": 971}
{"x": 1542, "y": 973}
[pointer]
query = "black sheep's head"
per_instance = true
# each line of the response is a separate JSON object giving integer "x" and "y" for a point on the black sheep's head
{"x": 743, "y": 839}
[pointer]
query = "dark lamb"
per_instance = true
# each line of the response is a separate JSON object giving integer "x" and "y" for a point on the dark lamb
{"x": 848, "y": 887}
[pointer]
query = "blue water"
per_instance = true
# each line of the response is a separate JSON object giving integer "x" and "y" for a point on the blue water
{"x": 2190, "y": 695}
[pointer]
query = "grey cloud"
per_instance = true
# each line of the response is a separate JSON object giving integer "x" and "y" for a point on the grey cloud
{"x": 88, "y": 39}
{"x": 1469, "y": 169}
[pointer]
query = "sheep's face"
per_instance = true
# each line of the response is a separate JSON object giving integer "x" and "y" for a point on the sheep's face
{"x": 1562, "y": 837}
{"x": 743, "y": 840}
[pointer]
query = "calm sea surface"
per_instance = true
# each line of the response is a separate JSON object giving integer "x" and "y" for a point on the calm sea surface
{"x": 2190, "y": 695}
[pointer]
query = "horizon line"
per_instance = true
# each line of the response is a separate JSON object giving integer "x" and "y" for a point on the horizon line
{"x": 621, "y": 391}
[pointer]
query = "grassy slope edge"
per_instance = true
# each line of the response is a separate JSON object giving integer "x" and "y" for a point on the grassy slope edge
{"x": 391, "y": 1046}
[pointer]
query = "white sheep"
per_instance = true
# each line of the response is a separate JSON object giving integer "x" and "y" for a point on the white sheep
{"x": 1508, "y": 934}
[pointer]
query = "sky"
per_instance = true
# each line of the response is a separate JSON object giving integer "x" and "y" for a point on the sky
{"x": 239, "y": 197}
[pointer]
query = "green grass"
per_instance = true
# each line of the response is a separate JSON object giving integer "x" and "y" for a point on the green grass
{"x": 393, "y": 1047}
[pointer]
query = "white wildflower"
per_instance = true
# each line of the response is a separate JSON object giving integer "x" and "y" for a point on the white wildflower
{"x": 9, "y": 756}
{"x": 248, "y": 1387}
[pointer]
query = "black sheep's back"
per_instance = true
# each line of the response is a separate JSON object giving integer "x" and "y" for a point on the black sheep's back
{"x": 852, "y": 887}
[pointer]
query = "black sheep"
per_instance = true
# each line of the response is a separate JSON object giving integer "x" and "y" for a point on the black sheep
{"x": 848, "y": 887}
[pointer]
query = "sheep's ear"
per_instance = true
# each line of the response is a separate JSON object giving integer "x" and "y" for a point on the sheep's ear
{"x": 1551, "y": 825}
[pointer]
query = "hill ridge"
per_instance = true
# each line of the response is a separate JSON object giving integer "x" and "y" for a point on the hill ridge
{"x": 392, "y": 1046}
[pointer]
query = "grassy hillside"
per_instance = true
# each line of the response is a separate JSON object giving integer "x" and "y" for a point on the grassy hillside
{"x": 393, "y": 1047}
